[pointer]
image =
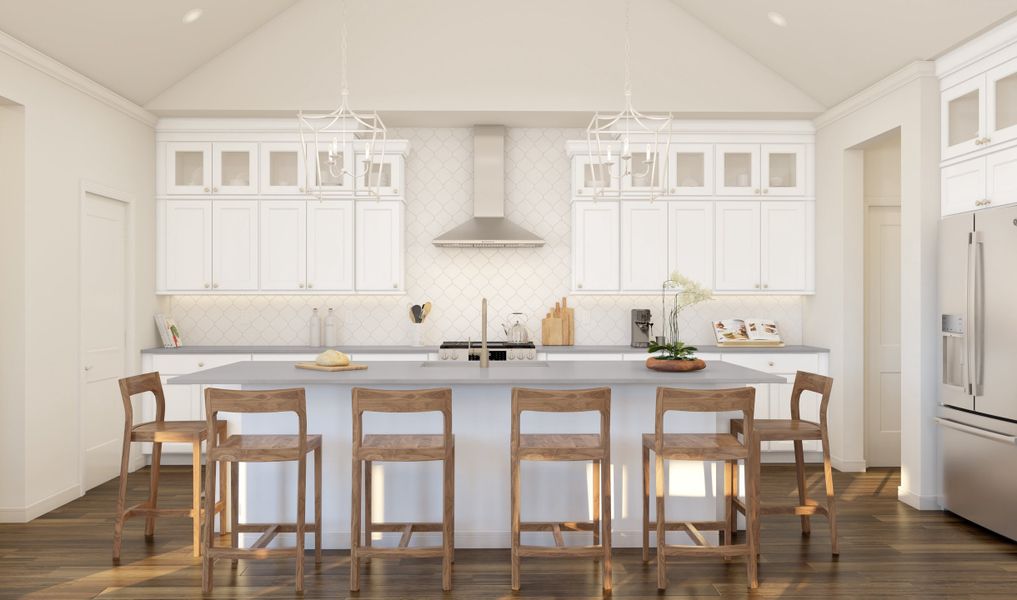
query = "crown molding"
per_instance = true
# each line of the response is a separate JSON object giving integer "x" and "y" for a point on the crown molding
{"x": 990, "y": 42}
{"x": 24, "y": 53}
{"x": 880, "y": 89}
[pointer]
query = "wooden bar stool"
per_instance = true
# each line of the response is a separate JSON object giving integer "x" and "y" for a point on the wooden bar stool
{"x": 797, "y": 430}
{"x": 158, "y": 432}
{"x": 702, "y": 447}
{"x": 401, "y": 448}
{"x": 262, "y": 448}
{"x": 593, "y": 447}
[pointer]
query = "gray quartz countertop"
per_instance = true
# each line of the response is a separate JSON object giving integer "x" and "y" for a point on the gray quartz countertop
{"x": 354, "y": 350}
{"x": 285, "y": 374}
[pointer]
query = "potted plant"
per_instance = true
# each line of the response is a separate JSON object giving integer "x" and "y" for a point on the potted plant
{"x": 673, "y": 354}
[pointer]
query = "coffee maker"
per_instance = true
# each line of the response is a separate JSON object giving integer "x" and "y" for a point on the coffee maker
{"x": 642, "y": 328}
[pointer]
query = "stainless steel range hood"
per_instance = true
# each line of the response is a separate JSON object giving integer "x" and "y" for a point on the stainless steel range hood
{"x": 488, "y": 228}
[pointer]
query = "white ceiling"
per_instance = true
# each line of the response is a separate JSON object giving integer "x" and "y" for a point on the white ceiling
{"x": 137, "y": 48}
{"x": 833, "y": 49}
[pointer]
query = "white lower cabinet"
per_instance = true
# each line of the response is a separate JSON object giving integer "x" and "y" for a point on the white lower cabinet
{"x": 235, "y": 245}
{"x": 643, "y": 233}
{"x": 595, "y": 228}
{"x": 379, "y": 245}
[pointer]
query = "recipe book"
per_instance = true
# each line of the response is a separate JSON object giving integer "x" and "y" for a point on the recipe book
{"x": 169, "y": 333}
{"x": 747, "y": 332}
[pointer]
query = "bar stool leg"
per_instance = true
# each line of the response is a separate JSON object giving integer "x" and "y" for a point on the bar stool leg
{"x": 196, "y": 498}
{"x": 661, "y": 555}
{"x": 646, "y": 504}
{"x": 355, "y": 509}
{"x": 752, "y": 517}
{"x": 452, "y": 517}
{"x": 448, "y": 498}
{"x": 605, "y": 484}
{"x": 207, "y": 563}
{"x": 730, "y": 474}
{"x": 736, "y": 485}
{"x": 118, "y": 525}
{"x": 368, "y": 505}
{"x": 317, "y": 505}
{"x": 596, "y": 502}
{"x": 223, "y": 490}
{"x": 234, "y": 507}
{"x": 301, "y": 509}
{"x": 802, "y": 492}
{"x": 153, "y": 489}
{"x": 831, "y": 501}
{"x": 515, "y": 524}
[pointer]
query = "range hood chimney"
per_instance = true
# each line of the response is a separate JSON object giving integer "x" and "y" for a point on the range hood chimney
{"x": 488, "y": 228}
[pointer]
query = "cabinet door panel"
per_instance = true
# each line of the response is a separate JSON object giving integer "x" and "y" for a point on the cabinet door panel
{"x": 379, "y": 241}
{"x": 1001, "y": 177}
{"x": 643, "y": 245}
{"x": 187, "y": 234}
{"x": 336, "y": 177}
{"x": 737, "y": 246}
{"x": 595, "y": 246}
{"x": 594, "y": 176}
{"x": 235, "y": 168}
{"x": 737, "y": 170}
{"x": 282, "y": 168}
{"x": 386, "y": 174}
{"x": 690, "y": 240}
{"x": 330, "y": 245}
{"x": 963, "y": 117}
{"x": 782, "y": 169}
{"x": 283, "y": 244}
{"x": 783, "y": 246}
{"x": 235, "y": 245}
{"x": 690, "y": 169}
{"x": 644, "y": 171}
{"x": 1001, "y": 94}
{"x": 963, "y": 186}
{"x": 188, "y": 168}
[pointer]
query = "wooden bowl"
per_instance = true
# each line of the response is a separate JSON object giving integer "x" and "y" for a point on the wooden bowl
{"x": 675, "y": 366}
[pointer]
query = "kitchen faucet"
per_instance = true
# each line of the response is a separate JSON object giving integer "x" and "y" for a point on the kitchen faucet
{"x": 483, "y": 334}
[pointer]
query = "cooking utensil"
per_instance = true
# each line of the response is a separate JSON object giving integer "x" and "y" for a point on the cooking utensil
{"x": 426, "y": 311}
{"x": 416, "y": 311}
{"x": 515, "y": 328}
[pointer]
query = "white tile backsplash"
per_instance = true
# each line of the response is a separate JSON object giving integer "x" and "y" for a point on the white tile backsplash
{"x": 439, "y": 174}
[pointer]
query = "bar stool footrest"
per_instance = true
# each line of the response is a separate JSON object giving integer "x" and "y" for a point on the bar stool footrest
{"x": 809, "y": 509}
{"x": 561, "y": 551}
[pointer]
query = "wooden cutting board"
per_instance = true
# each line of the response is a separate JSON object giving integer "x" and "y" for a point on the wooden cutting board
{"x": 310, "y": 366}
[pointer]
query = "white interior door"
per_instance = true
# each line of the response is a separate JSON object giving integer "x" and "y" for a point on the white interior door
{"x": 104, "y": 293}
{"x": 882, "y": 336}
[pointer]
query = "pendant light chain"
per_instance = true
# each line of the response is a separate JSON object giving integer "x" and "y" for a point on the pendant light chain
{"x": 343, "y": 49}
{"x": 628, "y": 56}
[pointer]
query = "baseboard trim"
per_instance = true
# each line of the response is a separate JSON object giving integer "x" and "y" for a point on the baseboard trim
{"x": 37, "y": 509}
{"x": 917, "y": 501}
{"x": 848, "y": 466}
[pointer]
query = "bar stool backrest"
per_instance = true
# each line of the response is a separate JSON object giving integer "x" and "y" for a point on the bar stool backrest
{"x": 811, "y": 382}
{"x": 401, "y": 401}
{"x": 247, "y": 401}
{"x": 741, "y": 399}
{"x": 585, "y": 400}
{"x": 139, "y": 384}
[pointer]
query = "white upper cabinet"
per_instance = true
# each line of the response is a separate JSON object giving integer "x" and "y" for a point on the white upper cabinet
{"x": 235, "y": 168}
{"x": 332, "y": 172}
{"x": 282, "y": 168}
{"x": 379, "y": 246}
{"x": 784, "y": 246}
{"x": 1001, "y": 103}
{"x": 737, "y": 247}
{"x": 737, "y": 170}
{"x": 595, "y": 228}
{"x": 593, "y": 176}
{"x": 963, "y": 117}
{"x": 644, "y": 170}
{"x": 235, "y": 245}
{"x": 186, "y": 249}
{"x": 1001, "y": 177}
{"x": 643, "y": 235}
{"x": 201, "y": 168}
{"x": 283, "y": 245}
{"x": 690, "y": 169}
{"x": 188, "y": 168}
{"x": 782, "y": 169}
{"x": 330, "y": 245}
{"x": 378, "y": 172}
{"x": 690, "y": 240}
{"x": 963, "y": 186}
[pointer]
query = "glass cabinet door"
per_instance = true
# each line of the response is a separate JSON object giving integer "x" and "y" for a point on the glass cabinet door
{"x": 282, "y": 168}
{"x": 691, "y": 170}
{"x": 737, "y": 170}
{"x": 595, "y": 176}
{"x": 1002, "y": 103}
{"x": 335, "y": 166}
{"x": 644, "y": 170}
{"x": 378, "y": 173}
{"x": 963, "y": 117}
{"x": 783, "y": 169}
{"x": 235, "y": 168}
{"x": 188, "y": 168}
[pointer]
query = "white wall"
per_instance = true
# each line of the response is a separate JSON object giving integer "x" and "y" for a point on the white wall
{"x": 70, "y": 136}
{"x": 833, "y": 318}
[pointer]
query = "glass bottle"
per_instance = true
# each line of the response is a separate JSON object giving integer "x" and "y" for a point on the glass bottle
{"x": 315, "y": 330}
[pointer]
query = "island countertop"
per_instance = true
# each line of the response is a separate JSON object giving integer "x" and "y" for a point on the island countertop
{"x": 577, "y": 373}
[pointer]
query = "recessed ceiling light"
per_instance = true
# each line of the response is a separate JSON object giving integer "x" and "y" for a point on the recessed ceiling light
{"x": 777, "y": 19}
{"x": 192, "y": 15}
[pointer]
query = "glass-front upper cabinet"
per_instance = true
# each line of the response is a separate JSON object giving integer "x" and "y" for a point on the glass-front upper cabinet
{"x": 235, "y": 168}
{"x": 643, "y": 169}
{"x": 1001, "y": 92}
{"x": 963, "y": 117}
{"x": 188, "y": 168}
{"x": 378, "y": 173}
{"x": 783, "y": 169}
{"x": 282, "y": 168}
{"x": 595, "y": 175}
{"x": 201, "y": 168}
{"x": 333, "y": 171}
{"x": 737, "y": 170}
{"x": 690, "y": 169}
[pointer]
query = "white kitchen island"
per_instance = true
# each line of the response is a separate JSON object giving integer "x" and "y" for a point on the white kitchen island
{"x": 481, "y": 423}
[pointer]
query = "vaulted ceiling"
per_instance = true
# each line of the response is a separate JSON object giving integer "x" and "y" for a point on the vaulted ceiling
{"x": 483, "y": 56}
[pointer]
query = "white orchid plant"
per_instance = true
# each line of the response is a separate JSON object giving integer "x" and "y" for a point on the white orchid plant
{"x": 684, "y": 292}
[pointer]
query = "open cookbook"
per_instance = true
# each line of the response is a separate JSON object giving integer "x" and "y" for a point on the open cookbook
{"x": 747, "y": 332}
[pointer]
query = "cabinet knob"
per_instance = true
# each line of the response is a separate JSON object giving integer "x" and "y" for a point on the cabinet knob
{"x": 756, "y": 190}
{"x": 986, "y": 140}
{"x": 301, "y": 188}
{"x": 757, "y": 286}
{"x": 206, "y": 190}
{"x": 301, "y": 285}
{"x": 215, "y": 285}
{"x": 770, "y": 363}
{"x": 201, "y": 364}
{"x": 766, "y": 190}
{"x": 395, "y": 190}
{"x": 310, "y": 285}
{"x": 579, "y": 286}
{"x": 766, "y": 285}
{"x": 207, "y": 286}
{"x": 395, "y": 286}
{"x": 88, "y": 367}
{"x": 214, "y": 189}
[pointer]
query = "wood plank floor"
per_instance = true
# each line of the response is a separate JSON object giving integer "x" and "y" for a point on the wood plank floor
{"x": 887, "y": 551}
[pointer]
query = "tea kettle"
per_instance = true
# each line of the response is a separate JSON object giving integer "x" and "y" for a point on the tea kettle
{"x": 515, "y": 328}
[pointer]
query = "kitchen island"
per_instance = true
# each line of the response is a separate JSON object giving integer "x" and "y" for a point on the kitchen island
{"x": 481, "y": 423}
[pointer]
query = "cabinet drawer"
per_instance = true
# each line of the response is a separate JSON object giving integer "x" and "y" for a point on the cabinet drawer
{"x": 775, "y": 363}
{"x": 192, "y": 363}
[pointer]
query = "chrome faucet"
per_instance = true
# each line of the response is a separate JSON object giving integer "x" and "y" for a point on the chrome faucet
{"x": 483, "y": 334}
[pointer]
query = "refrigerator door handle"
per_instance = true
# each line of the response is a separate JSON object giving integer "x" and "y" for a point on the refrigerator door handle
{"x": 969, "y": 304}
{"x": 978, "y": 308}
{"x": 983, "y": 433}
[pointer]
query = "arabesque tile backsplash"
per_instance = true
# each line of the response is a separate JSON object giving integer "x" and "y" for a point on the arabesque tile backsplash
{"x": 439, "y": 172}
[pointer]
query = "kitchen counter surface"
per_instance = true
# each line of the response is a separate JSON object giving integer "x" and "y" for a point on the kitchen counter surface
{"x": 354, "y": 350}
{"x": 705, "y": 349}
{"x": 281, "y": 373}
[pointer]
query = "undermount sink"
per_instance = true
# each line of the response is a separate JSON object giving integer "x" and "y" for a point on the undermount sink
{"x": 495, "y": 364}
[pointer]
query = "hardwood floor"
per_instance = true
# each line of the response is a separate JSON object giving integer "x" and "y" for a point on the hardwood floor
{"x": 887, "y": 551}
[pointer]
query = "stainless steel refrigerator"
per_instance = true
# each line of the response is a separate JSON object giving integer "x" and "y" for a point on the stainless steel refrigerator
{"x": 978, "y": 416}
